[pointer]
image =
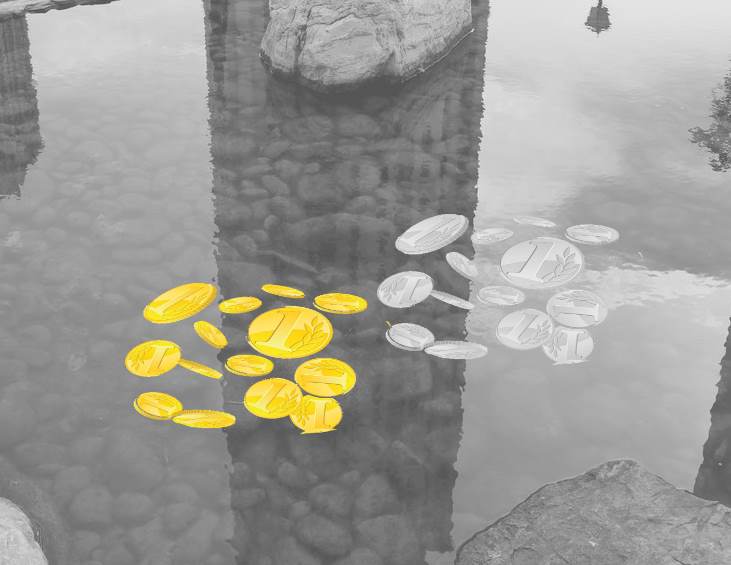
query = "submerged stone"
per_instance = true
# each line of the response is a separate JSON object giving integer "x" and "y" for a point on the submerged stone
{"x": 615, "y": 513}
{"x": 335, "y": 45}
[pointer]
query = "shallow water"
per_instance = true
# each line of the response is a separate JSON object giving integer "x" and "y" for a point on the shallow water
{"x": 166, "y": 154}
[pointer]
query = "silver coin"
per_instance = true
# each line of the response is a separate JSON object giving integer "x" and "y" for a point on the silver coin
{"x": 524, "y": 329}
{"x": 452, "y": 299}
{"x": 405, "y": 289}
{"x": 500, "y": 295}
{"x": 534, "y": 221}
{"x": 568, "y": 346}
{"x": 543, "y": 262}
{"x": 432, "y": 234}
{"x": 461, "y": 264}
{"x": 411, "y": 337}
{"x": 592, "y": 234}
{"x": 577, "y": 308}
{"x": 491, "y": 235}
{"x": 456, "y": 350}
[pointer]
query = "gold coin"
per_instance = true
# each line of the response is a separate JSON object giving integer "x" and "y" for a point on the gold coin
{"x": 200, "y": 368}
{"x": 285, "y": 291}
{"x": 179, "y": 303}
{"x": 340, "y": 303}
{"x": 204, "y": 419}
{"x": 317, "y": 415}
{"x": 249, "y": 365}
{"x": 290, "y": 332}
{"x": 239, "y": 305}
{"x": 210, "y": 334}
{"x": 273, "y": 398}
{"x": 325, "y": 377}
{"x": 152, "y": 358}
{"x": 157, "y": 405}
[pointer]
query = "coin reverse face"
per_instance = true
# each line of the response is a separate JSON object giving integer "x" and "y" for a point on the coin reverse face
{"x": 325, "y": 376}
{"x": 340, "y": 303}
{"x": 210, "y": 334}
{"x": 239, "y": 305}
{"x": 543, "y": 262}
{"x": 179, "y": 303}
{"x": 534, "y": 221}
{"x": 200, "y": 369}
{"x": 283, "y": 291}
{"x": 273, "y": 398}
{"x": 491, "y": 235}
{"x": 456, "y": 350}
{"x": 461, "y": 265}
{"x": 452, "y": 300}
{"x": 500, "y": 295}
{"x": 204, "y": 419}
{"x": 592, "y": 234}
{"x": 524, "y": 329}
{"x": 405, "y": 289}
{"x": 317, "y": 415}
{"x": 432, "y": 233}
{"x": 152, "y": 358}
{"x": 569, "y": 346}
{"x": 577, "y": 308}
{"x": 290, "y": 332}
{"x": 410, "y": 337}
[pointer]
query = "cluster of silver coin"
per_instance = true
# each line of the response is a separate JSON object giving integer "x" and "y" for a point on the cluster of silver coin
{"x": 536, "y": 264}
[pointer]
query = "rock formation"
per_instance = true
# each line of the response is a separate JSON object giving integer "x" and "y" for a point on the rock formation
{"x": 18, "y": 545}
{"x": 615, "y": 513}
{"x": 341, "y": 44}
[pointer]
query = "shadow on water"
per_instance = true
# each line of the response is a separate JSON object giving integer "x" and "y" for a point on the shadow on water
{"x": 20, "y": 136}
{"x": 311, "y": 191}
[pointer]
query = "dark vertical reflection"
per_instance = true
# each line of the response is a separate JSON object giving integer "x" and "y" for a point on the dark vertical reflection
{"x": 714, "y": 476}
{"x": 20, "y": 136}
{"x": 312, "y": 191}
{"x": 598, "y": 20}
{"x": 717, "y": 137}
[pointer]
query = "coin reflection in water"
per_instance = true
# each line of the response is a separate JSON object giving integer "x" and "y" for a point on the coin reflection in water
{"x": 179, "y": 303}
{"x": 491, "y": 235}
{"x": 204, "y": 419}
{"x": 239, "y": 305}
{"x": 569, "y": 346}
{"x": 157, "y": 405}
{"x": 290, "y": 332}
{"x": 432, "y": 233}
{"x": 524, "y": 329}
{"x": 461, "y": 265}
{"x": 249, "y": 365}
{"x": 405, "y": 289}
{"x": 456, "y": 350}
{"x": 452, "y": 300}
{"x": 273, "y": 398}
{"x": 410, "y": 337}
{"x": 317, "y": 415}
{"x": 325, "y": 376}
{"x": 500, "y": 295}
{"x": 577, "y": 308}
{"x": 543, "y": 262}
{"x": 152, "y": 358}
{"x": 210, "y": 334}
{"x": 592, "y": 234}
{"x": 340, "y": 303}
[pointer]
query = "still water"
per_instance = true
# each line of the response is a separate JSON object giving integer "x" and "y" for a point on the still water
{"x": 143, "y": 145}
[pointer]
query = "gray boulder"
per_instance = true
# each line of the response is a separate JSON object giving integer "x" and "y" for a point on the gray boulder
{"x": 615, "y": 513}
{"x": 341, "y": 44}
{"x": 18, "y": 543}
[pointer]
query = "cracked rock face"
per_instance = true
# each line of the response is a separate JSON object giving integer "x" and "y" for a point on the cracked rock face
{"x": 335, "y": 45}
{"x": 616, "y": 513}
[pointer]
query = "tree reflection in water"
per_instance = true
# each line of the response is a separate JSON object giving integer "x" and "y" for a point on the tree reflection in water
{"x": 311, "y": 191}
{"x": 717, "y": 138}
